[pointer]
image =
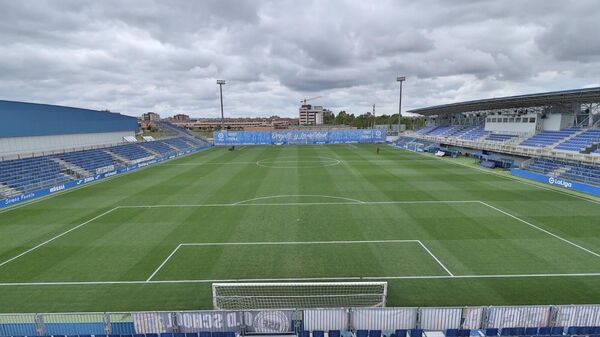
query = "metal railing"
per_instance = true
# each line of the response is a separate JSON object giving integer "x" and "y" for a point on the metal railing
{"x": 291, "y": 320}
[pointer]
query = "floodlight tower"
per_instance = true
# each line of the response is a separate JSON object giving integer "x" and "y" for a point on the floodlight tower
{"x": 220, "y": 83}
{"x": 400, "y": 79}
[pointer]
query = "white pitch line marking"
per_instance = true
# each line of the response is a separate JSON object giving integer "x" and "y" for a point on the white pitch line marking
{"x": 276, "y": 243}
{"x": 57, "y": 236}
{"x": 435, "y": 258}
{"x": 349, "y": 278}
{"x": 300, "y": 196}
{"x": 541, "y": 229}
{"x": 202, "y": 164}
{"x": 163, "y": 263}
{"x": 237, "y": 204}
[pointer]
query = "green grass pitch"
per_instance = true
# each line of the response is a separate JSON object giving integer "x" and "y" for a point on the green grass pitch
{"x": 440, "y": 234}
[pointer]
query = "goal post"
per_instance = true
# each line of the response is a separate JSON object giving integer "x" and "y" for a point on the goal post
{"x": 284, "y": 295}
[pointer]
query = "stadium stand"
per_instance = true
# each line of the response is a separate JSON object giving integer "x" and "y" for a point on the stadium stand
{"x": 499, "y": 137}
{"x": 20, "y": 176}
{"x": 130, "y": 152}
{"x": 548, "y": 138}
{"x": 581, "y": 141}
{"x": 30, "y": 174}
{"x": 473, "y": 132}
{"x": 566, "y": 170}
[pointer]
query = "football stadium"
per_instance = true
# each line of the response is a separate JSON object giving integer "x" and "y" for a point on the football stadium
{"x": 485, "y": 218}
{"x": 267, "y": 168}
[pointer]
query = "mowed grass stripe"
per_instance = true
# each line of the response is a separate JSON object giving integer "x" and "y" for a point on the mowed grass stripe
{"x": 470, "y": 240}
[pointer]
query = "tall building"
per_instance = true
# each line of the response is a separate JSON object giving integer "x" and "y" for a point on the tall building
{"x": 313, "y": 115}
{"x": 181, "y": 118}
{"x": 150, "y": 117}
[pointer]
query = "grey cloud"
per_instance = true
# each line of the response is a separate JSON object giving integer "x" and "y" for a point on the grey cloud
{"x": 161, "y": 55}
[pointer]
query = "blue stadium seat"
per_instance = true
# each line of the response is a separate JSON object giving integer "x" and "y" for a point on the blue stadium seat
{"x": 217, "y": 334}
{"x": 464, "y": 333}
{"x": 400, "y": 332}
{"x": 452, "y": 333}
{"x": 334, "y": 333}
{"x": 204, "y": 334}
{"x": 545, "y": 331}
{"x": 415, "y": 332}
{"x": 374, "y": 333}
{"x": 138, "y": 335}
{"x": 163, "y": 334}
{"x": 151, "y": 335}
{"x": 362, "y": 333}
{"x": 191, "y": 334}
{"x": 531, "y": 331}
{"x": 318, "y": 333}
{"x": 304, "y": 333}
{"x": 177, "y": 334}
{"x": 491, "y": 332}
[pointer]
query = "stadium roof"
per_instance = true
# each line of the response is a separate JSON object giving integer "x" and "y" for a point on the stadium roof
{"x": 588, "y": 95}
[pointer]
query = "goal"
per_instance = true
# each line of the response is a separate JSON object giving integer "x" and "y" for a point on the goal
{"x": 236, "y": 296}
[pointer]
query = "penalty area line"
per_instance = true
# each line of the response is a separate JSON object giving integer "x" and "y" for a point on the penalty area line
{"x": 349, "y": 278}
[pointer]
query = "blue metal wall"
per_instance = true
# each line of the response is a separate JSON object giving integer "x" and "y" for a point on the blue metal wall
{"x": 19, "y": 119}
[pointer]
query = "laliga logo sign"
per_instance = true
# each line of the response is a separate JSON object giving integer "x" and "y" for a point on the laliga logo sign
{"x": 221, "y": 135}
{"x": 560, "y": 182}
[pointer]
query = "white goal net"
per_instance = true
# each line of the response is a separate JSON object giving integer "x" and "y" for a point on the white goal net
{"x": 236, "y": 296}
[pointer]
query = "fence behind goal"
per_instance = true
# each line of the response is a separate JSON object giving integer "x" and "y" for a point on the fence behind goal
{"x": 236, "y": 296}
{"x": 285, "y": 321}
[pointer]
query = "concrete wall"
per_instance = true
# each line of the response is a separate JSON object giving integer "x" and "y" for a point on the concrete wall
{"x": 555, "y": 122}
{"x": 13, "y": 146}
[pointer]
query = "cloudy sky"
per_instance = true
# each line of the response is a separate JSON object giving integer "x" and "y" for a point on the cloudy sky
{"x": 165, "y": 56}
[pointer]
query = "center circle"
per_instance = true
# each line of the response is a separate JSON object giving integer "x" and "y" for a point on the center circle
{"x": 295, "y": 162}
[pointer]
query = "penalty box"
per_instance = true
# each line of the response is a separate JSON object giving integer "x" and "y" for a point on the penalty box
{"x": 469, "y": 238}
{"x": 300, "y": 259}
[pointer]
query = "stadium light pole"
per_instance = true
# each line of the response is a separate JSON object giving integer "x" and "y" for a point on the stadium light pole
{"x": 220, "y": 83}
{"x": 400, "y": 79}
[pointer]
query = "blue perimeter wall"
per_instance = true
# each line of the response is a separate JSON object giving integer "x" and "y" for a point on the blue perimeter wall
{"x": 568, "y": 184}
{"x": 20, "y": 119}
{"x": 45, "y": 191}
{"x": 299, "y": 137}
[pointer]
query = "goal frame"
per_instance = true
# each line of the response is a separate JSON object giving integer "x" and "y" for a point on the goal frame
{"x": 382, "y": 303}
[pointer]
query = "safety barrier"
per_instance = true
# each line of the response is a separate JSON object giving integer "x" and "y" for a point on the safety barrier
{"x": 290, "y": 321}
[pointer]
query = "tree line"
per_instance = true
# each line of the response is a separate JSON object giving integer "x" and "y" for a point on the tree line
{"x": 368, "y": 120}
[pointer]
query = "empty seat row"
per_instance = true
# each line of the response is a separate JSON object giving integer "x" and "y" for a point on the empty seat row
{"x": 34, "y": 173}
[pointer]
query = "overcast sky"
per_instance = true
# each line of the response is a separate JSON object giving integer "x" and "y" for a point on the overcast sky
{"x": 165, "y": 56}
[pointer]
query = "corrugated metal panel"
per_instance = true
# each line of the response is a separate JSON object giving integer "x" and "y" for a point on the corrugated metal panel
{"x": 325, "y": 319}
{"x": 526, "y": 316}
{"x": 472, "y": 318}
{"x": 21, "y": 119}
{"x": 578, "y": 315}
{"x": 440, "y": 318}
{"x": 384, "y": 318}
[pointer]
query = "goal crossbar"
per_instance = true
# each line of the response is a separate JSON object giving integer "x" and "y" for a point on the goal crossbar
{"x": 292, "y": 295}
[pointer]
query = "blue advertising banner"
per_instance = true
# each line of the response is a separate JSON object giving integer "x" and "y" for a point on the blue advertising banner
{"x": 299, "y": 137}
{"x": 45, "y": 191}
{"x": 568, "y": 184}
